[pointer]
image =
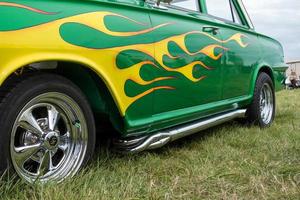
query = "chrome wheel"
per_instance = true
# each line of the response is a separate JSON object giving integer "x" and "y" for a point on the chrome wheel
{"x": 49, "y": 139}
{"x": 266, "y": 103}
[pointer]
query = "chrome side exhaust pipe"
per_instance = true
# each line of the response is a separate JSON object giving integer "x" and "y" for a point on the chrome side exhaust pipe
{"x": 161, "y": 138}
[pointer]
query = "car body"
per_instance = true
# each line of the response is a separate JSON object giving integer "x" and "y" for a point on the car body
{"x": 144, "y": 66}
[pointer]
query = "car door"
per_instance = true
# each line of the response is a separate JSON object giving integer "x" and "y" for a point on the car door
{"x": 188, "y": 64}
{"x": 241, "y": 44}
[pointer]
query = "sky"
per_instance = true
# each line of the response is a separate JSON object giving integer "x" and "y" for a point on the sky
{"x": 279, "y": 19}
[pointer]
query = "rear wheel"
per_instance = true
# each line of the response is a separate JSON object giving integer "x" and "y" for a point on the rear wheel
{"x": 262, "y": 109}
{"x": 47, "y": 131}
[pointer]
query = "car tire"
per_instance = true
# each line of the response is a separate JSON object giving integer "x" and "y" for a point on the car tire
{"x": 261, "y": 111}
{"x": 47, "y": 128}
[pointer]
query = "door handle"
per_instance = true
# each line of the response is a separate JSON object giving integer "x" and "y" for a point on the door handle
{"x": 210, "y": 29}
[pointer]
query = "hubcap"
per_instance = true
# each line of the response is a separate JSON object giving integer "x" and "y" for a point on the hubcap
{"x": 51, "y": 140}
{"x": 45, "y": 145}
{"x": 266, "y": 103}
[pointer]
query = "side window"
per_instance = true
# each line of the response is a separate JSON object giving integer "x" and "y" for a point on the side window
{"x": 223, "y": 9}
{"x": 186, "y": 4}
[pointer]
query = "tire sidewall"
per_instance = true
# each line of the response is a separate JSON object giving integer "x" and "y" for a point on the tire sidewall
{"x": 254, "y": 112}
{"x": 23, "y": 93}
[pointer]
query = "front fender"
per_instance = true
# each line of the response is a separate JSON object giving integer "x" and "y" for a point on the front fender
{"x": 10, "y": 66}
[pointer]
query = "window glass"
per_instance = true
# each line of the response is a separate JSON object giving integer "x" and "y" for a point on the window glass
{"x": 187, "y": 4}
{"x": 219, "y": 8}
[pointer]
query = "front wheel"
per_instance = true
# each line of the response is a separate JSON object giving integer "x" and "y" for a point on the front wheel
{"x": 47, "y": 129}
{"x": 262, "y": 109}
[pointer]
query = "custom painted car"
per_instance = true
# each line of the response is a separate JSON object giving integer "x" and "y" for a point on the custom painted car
{"x": 156, "y": 71}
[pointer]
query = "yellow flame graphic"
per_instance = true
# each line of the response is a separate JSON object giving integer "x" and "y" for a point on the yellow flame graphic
{"x": 44, "y": 41}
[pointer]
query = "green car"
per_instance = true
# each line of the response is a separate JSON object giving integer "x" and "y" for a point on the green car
{"x": 156, "y": 71}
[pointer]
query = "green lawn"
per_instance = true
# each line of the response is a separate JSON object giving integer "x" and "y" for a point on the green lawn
{"x": 226, "y": 162}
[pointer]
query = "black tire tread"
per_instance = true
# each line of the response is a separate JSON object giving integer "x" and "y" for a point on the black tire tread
{"x": 11, "y": 88}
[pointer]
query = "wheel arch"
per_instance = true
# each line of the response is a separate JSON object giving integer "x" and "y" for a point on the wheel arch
{"x": 85, "y": 76}
{"x": 263, "y": 68}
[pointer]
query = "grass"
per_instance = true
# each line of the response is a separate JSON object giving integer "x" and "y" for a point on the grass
{"x": 226, "y": 162}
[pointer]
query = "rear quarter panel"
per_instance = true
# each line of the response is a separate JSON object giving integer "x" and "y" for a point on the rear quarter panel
{"x": 272, "y": 56}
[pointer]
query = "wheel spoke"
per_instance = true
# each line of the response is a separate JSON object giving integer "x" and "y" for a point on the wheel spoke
{"x": 46, "y": 164}
{"x": 44, "y": 144}
{"x": 64, "y": 139}
{"x": 63, "y": 147}
{"x": 29, "y": 123}
{"x": 22, "y": 154}
{"x": 266, "y": 104}
{"x": 53, "y": 117}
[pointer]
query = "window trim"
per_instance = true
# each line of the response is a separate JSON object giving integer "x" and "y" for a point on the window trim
{"x": 185, "y": 9}
{"x": 238, "y": 8}
{"x": 217, "y": 17}
{"x": 246, "y": 17}
{"x": 231, "y": 10}
{"x": 199, "y": 8}
{"x": 234, "y": 12}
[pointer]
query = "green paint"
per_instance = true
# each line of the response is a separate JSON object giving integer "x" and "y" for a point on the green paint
{"x": 150, "y": 72}
{"x": 113, "y": 23}
{"x": 199, "y": 42}
{"x": 72, "y": 33}
{"x": 182, "y": 58}
{"x": 14, "y": 18}
{"x": 133, "y": 89}
{"x": 230, "y": 82}
{"x": 128, "y": 58}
